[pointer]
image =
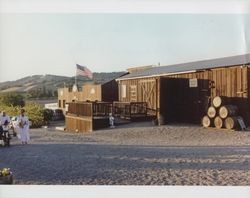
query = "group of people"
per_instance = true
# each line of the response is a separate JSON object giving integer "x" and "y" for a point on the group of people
{"x": 22, "y": 125}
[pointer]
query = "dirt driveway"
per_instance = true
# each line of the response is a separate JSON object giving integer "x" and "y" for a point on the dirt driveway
{"x": 135, "y": 154}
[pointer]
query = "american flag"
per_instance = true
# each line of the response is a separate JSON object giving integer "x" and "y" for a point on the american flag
{"x": 83, "y": 71}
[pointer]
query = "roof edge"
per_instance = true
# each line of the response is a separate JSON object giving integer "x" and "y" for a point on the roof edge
{"x": 158, "y": 75}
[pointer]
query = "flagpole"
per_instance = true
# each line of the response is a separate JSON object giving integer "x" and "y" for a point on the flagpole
{"x": 75, "y": 80}
{"x": 76, "y": 76}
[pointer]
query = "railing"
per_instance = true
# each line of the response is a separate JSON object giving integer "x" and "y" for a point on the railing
{"x": 130, "y": 109}
{"x": 90, "y": 109}
{"x": 126, "y": 110}
{"x": 88, "y": 116}
{"x": 102, "y": 108}
{"x": 80, "y": 108}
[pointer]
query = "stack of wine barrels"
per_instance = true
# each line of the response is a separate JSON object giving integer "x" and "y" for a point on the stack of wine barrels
{"x": 221, "y": 114}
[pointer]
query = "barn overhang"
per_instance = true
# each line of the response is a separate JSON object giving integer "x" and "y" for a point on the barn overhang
{"x": 156, "y": 75}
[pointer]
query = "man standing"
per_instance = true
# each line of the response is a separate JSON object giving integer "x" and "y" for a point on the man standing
{"x": 23, "y": 126}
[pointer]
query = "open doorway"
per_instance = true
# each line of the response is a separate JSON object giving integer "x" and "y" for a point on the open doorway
{"x": 183, "y": 100}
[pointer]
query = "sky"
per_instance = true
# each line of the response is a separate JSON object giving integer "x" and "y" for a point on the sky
{"x": 52, "y": 42}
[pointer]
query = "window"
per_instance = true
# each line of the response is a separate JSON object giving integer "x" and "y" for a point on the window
{"x": 133, "y": 93}
{"x": 123, "y": 91}
{"x": 59, "y": 103}
{"x": 63, "y": 103}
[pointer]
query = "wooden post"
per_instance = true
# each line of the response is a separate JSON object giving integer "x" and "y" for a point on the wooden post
{"x": 158, "y": 97}
{"x": 130, "y": 110}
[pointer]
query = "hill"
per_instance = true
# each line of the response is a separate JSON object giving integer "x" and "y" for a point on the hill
{"x": 38, "y": 86}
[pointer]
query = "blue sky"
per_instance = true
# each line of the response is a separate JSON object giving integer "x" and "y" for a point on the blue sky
{"x": 47, "y": 43}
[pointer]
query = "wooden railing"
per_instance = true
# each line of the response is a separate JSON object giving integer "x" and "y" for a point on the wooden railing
{"x": 130, "y": 109}
{"x": 80, "y": 108}
{"x": 90, "y": 109}
{"x": 88, "y": 116}
{"x": 102, "y": 108}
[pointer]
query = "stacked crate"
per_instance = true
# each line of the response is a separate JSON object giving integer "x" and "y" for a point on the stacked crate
{"x": 222, "y": 114}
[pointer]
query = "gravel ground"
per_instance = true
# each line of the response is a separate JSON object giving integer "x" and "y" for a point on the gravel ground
{"x": 132, "y": 154}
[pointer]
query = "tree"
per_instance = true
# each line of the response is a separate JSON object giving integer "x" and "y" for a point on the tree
{"x": 12, "y": 99}
{"x": 35, "y": 114}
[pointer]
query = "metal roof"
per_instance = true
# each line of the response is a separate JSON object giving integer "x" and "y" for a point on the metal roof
{"x": 190, "y": 67}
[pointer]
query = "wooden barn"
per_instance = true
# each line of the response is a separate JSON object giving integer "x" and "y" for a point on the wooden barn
{"x": 181, "y": 92}
{"x": 107, "y": 92}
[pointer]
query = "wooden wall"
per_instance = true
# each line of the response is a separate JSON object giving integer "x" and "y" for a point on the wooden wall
{"x": 91, "y": 92}
{"x": 87, "y": 116}
{"x": 231, "y": 82}
{"x": 110, "y": 91}
{"x": 107, "y": 92}
{"x": 78, "y": 124}
{"x": 139, "y": 90}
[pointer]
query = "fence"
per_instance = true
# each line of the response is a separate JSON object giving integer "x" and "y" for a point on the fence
{"x": 130, "y": 110}
{"x": 89, "y": 109}
{"x": 87, "y": 116}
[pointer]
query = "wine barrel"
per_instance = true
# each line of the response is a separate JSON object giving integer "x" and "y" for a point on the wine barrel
{"x": 211, "y": 112}
{"x": 232, "y": 122}
{"x": 228, "y": 110}
{"x": 206, "y": 121}
{"x": 218, "y": 122}
{"x": 218, "y": 101}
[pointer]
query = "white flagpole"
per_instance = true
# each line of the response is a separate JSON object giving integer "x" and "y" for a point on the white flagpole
{"x": 75, "y": 87}
{"x": 76, "y": 75}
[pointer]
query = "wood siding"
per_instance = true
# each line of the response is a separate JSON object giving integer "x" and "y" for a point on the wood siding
{"x": 232, "y": 82}
{"x": 143, "y": 90}
{"x": 87, "y": 116}
{"x": 78, "y": 124}
{"x": 107, "y": 92}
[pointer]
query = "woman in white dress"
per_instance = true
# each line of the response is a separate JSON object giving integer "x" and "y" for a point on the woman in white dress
{"x": 23, "y": 127}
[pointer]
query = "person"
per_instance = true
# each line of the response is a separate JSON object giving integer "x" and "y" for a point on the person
{"x": 4, "y": 132}
{"x": 23, "y": 127}
{"x": 111, "y": 121}
{"x": 4, "y": 121}
{"x": 1, "y": 128}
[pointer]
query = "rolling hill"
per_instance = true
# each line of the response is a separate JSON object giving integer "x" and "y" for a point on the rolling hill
{"x": 48, "y": 84}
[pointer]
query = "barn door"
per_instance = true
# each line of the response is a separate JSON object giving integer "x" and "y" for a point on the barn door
{"x": 148, "y": 92}
{"x": 183, "y": 100}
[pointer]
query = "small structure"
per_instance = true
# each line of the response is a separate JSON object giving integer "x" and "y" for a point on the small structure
{"x": 107, "y": 92}
{"x": 87, "y": 116}
{"x": 182, "y": 92}
{"x": 88, "y": 108}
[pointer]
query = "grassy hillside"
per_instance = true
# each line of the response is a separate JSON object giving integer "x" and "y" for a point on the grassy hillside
{"x": 45, "y": 86}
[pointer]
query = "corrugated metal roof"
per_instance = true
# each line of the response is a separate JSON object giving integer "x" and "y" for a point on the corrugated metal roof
{"x": 190, "y": 67}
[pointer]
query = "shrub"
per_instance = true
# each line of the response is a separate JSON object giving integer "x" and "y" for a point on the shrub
{"x": 11, "y": 99}
{"x": 35, "y": 113}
